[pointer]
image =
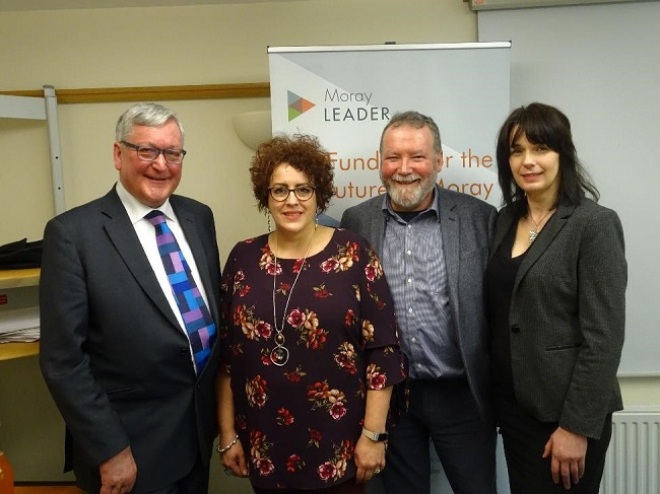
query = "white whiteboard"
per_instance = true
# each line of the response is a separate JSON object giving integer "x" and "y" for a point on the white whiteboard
{"x": 600, "y": 64}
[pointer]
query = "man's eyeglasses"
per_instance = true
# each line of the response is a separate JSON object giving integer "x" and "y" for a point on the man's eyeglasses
{"x": 146, "y": 153}
{"x": 281, "y": 193}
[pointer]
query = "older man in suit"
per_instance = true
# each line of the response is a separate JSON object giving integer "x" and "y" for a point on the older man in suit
{"x": 129, "y": 288}
{"x": 434, "y": 248}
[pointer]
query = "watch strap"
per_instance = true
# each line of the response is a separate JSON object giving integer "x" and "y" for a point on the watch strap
{"x": 375, "y": 436}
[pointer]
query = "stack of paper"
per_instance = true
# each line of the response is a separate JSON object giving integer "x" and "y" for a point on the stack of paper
{"x": 19, "y": 325}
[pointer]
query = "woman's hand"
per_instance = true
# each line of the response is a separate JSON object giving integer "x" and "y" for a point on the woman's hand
{"x": 233, "y": 459}
{"x": 230, "y": 448}
{"x": 369, "y": 458}
{"x": 567, "y": 451}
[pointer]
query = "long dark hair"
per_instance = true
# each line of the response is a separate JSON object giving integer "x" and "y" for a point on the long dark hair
{"x": 542, "y": 124}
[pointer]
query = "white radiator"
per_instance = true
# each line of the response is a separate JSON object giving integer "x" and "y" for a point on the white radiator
{"x": 633, "y": 458}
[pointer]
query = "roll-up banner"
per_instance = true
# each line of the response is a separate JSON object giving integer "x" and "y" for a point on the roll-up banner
{"x": 345, "y": 95}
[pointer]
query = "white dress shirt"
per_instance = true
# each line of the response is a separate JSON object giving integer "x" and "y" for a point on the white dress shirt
{"x": 147, "y": 235}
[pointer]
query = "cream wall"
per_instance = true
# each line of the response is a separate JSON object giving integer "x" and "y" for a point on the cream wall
{"x": 211, "y": 44}
{"x": 158, "y": 46}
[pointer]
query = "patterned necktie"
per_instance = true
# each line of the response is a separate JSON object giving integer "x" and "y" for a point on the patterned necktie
{"x": 196, "y": 317}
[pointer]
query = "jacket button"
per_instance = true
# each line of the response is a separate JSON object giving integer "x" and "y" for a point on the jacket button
{"x": 184, "y": 351}
{"x": 515, "y": 329}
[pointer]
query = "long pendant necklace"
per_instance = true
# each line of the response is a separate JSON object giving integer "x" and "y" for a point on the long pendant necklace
{"x": 534, "y": 232}
{"x": 280, "y": 354}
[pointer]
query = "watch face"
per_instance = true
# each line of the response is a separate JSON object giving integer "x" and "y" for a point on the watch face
{"x": 382, "y": 436}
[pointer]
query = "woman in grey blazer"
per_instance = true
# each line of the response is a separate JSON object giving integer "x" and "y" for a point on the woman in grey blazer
{"x": 555, "y": 288}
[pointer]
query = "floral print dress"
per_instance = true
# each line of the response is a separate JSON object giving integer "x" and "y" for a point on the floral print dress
{"x": 299, "y": 422}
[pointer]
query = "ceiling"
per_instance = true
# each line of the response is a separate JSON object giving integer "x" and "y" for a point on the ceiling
{"x": 15, "y": 5}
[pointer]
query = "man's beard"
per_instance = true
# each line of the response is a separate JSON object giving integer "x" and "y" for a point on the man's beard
{"x": 405, "y": 197}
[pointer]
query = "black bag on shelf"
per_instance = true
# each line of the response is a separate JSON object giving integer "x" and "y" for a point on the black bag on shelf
{"x": 21, "y": 254}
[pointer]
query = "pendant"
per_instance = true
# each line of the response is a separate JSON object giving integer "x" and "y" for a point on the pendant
{"x": 279, "y": 356}
{"x": 532, "y": 236}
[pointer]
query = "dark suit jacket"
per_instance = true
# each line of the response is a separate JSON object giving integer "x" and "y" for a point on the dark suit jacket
{"x": 567, "y": 317}
{"x": 112, "y": 352}
{"x": 466, "y": 224}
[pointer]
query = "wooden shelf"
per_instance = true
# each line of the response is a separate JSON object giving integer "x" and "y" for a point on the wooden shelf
{"x": 17, "y": 278}
{"x": 47, "y": 489}
{"x": 9, "y": 351}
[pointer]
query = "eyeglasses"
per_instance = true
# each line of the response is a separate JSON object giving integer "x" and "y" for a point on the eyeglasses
{"x": 146, "y": 153}
{"x": 302, "y": 192}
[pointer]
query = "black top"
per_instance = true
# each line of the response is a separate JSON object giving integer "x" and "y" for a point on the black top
{"x": 500, "y": 277}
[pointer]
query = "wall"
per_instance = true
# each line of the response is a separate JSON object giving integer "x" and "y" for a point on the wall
{"x": 153, "y": 47}
{"x": 605, "y": 79}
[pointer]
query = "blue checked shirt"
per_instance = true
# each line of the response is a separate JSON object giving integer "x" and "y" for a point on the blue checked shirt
{"x": 414, "y": 263}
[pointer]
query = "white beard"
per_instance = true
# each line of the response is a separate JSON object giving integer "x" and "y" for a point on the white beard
{"x": 405, "y": 197}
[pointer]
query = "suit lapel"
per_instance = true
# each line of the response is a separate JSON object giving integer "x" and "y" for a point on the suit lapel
{"x": 544, "y": 240}
{"x": 190, "y": 228}
{"x": 450, "y": 228}
{"x": 191, "y": 231}
{"x": 122, "y": 235}
{"x": 504, "y": 223}
{"x": 372, "y": 227}
{"x": 377, "y": 227}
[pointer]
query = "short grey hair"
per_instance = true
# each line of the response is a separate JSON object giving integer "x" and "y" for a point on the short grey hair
{"x": 417, "y": 121}
{"x": 147, "y": 114}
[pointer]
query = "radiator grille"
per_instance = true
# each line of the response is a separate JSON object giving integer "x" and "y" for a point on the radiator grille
{"x": 633, "y": 458}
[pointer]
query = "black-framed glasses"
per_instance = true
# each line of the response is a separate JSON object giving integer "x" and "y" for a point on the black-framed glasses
{"x": 302, "y": 192}
{"x": 146, "y": 153}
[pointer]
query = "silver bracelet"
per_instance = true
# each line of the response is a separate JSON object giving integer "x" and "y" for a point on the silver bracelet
{"x": 228, "y": 447}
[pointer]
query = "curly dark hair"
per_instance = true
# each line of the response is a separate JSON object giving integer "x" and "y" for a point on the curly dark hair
{"x": 305, "y": 154}
{"x": 542, "y": 124}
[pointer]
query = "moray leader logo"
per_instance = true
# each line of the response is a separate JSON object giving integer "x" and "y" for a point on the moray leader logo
{"x": 297, "y": 105}
{"x": 353, "y": 107}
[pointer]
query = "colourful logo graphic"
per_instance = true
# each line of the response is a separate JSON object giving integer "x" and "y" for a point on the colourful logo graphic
{"x": 297, "y": 105}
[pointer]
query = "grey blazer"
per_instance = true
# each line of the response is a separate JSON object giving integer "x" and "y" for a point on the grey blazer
{"x": 567, "y": 317}
{"x": 112, "y": 352}
{"x": 466, "y": 224}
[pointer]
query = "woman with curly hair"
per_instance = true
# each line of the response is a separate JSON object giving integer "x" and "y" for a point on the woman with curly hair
{"x": 309, "y": 339}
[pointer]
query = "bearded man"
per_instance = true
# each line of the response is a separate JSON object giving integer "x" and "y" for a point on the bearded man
{"x": 433, "y": 244}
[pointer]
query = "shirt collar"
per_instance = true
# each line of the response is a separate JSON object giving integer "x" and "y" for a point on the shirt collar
{"x": 137, "y": 211}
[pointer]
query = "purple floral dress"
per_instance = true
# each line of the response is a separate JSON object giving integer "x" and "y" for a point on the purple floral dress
{"x": 299, "y": 422}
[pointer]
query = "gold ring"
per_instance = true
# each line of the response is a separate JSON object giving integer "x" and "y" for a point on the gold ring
{"x": 377, "y": 471}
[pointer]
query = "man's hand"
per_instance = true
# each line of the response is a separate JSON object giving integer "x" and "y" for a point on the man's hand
{"x": 567, "y": 452}
{"x": 118, "y": 474}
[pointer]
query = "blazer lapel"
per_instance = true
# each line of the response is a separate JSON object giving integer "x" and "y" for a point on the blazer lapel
{"x": 504, "y": 223}
{"x": 450, "y": 228}
{"x": 190, "y": 230}
{"x": 374, "y": 225}
{"x": 122, "y": 235}
{"x": 543, "y": 241}
{"x": 378, "y": 230}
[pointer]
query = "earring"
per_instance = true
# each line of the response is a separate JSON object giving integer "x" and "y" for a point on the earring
{"x": 270, "y": 228}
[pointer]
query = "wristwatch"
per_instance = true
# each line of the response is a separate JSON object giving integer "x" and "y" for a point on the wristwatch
{"x": 375, "y": 436}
